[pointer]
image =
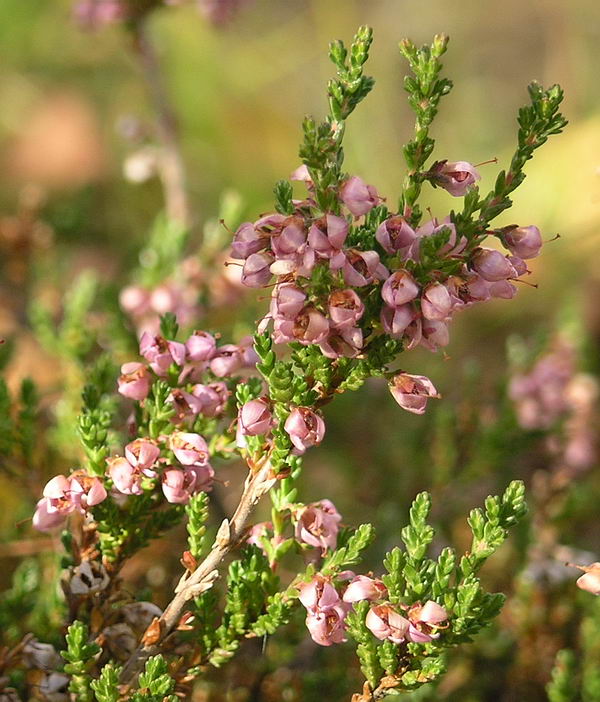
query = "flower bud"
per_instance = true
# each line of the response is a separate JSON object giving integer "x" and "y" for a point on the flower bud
{"x": 493, "y": 265}
{"x": 255, "y": 418}
{"x": 524, "y": 242}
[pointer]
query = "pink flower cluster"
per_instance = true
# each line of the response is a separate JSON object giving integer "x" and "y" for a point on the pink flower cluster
{"x": 416, "y": 301}
{"x": 142, "y": 460}
{"x": 191, "y": 360}
{"x": 64, "y": 495}
{"x": 327, "y": 609}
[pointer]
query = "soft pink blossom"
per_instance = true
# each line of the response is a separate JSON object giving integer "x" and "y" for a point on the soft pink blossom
{"x": 395, "y": 320}
{"x": 358, "y": 197}
{"x": 126, "y": 477}
{"x": 590, "y": 580}
{"x": 395, "y": 234}
{"x": 201, "y": 346}
{"x": 308, "y": 327}
{"x": 255, "y": 417}
{"x": 160, "y": 353}
{"x": 361, "y": 268}
{"x": 287, "y": 301}
{"x": 399, "y": 289}
{"x": 436, "y": 302}
{"x": 179, "y": 485}
{"x": 256, "y": 272}
{"x": 189, "y": 448}
{"x": 424, "y": 621}
{"x": 411, "y": 392}
{"x": 142, "y": 454}
{"x": 226, "y": 361}
{"x": 134, "y": 381}
{"x": 493, "y": 265}
{"x": 364, "y": 588}
{"x": 305, "y": 428}
{"x": 455, "y": 176}
{"x": 525, "y": 242}
{"x": 345, "y": 308}
{"x": 385, "y": 623}
{"x": 247, "y": 241}
{"x": 346, "y": 342}
{"x": 318, "y": 525}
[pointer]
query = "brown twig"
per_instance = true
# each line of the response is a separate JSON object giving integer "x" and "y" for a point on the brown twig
{"x": 172, "y": 165}
{"x": 192, "y": 584}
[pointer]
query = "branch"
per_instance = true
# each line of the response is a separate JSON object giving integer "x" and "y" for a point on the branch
{"x": 192, "y": 584}
{"x": 172, "y": 167}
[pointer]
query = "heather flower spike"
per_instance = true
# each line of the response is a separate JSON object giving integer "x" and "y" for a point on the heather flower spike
{"x": 353, "y": 282}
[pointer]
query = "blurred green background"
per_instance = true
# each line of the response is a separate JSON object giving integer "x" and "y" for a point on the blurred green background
{"x": 240, "y": 93}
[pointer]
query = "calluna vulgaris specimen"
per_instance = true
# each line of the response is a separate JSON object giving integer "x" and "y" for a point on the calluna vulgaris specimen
{"x": 354, "y": 281}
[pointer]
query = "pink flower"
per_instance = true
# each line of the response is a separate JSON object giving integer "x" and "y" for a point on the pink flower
{"x": 362, "y": 268}
{"x": 436, "y": 302}
{"x": 411, "y": 392}
{"x": 346, "y": 342}
{"x": 432, "y": 228}
{"x": 399, "y": 289}
{"x": 308, "y": 327}
{"x": 160, "y": 353}
{"x": 135, "y": 300}
{"x": 301, "y": 173}
{"x": 287, "y": 301}
{"x": 493, "y": 265}
{"x": 247, "y": 241}
{"x": 189, "y": 448}
{"x": 345, "y": 308}
{"x": 327, "y": 236}
{"x": 305, "y": 428}
{"x": 364, "y": 588}
{"x": 179, "y": 485}
{"x": 227, "y": 360}
{"x": 435, "y": 334}
{"x": 358, "y": 197}
{"x": 525, "y": 242}
{"x": 143, "y": 454}
{"x": 201, "y": 346}
{"x": 257, "y": 532}
{"x": 424, "y": 620}
{"x": 126, "y": 478}
{"x": 456, "y": 177}
{"x": 256, "y": 272}
{"x": 395, "y": 234}
{"x": 255, "y": 417}
{"x": 396, "y": 320}
{"x": 326, "y": 612}
{"x": 590, "y": 580}
{"x": 318, "y": 525}
{"x": 386, "y": 623}
{"x": 290, "y": 238}
{"x": 134, "y": 381}
{"x": 63, "y": 495}
{"x": 211, "y": 398}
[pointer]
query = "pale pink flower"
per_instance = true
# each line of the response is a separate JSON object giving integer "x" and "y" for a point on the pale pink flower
{"x": 247, "y": 241}
{"x": 364, "y": 588}
{"x": 287, "y": 301}
{"x": 201, "y": 346}
{"x": 436, "y": 302}
{"x": 424, "y": 621}
{"x": 255, "y": 417}
{"x": 305, "y": 428}
{"x": 290, "y": 239}
{"x": 308, "y": 327}
{"x": 345, "y": 308}
{"x": 346, "y": 342}
{"x": 358, "y": 197}
{"x": 318, "y": 525}
{"x": 256, "y": 272}
{"x": 455, "y": 176}
{"x": 435, "y": 334}
{"x": 189, "y": 448}
{"x": 62, "y": 496}
{"x": 411, "y": 392}
{"x": 327, "y": 236}
{"x": 143, "y": 454}
{"x": 399, "y": 289}
{"x": 126, "y": 478}
{"x": 385, "y": 623}
{"x": 134, "y": 381}
{"x": 361, "y": 268}
{"x": 395, "y": 320}
{"x": 160, "y": 353}
{"x": 525, "y": 242}
{"x": 301, "y": 174}
{"x": 590, "y": 580}
{"x": 211, "y": 398}
{"x": 395, "y": 234}
{"x": 226, "y": 361}
{"x": 179, "y": 485}
{"x": 326, "y": 612}
{"x": 493, "y": 265}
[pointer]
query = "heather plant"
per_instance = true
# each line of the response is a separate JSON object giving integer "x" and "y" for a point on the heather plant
{"x": 355, "y": 280}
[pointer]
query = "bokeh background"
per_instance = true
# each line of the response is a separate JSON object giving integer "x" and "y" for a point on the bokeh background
{"x": 74, "y": 230}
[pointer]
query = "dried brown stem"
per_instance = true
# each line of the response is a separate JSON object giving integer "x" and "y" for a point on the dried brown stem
{"x": 192, "y": 584}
